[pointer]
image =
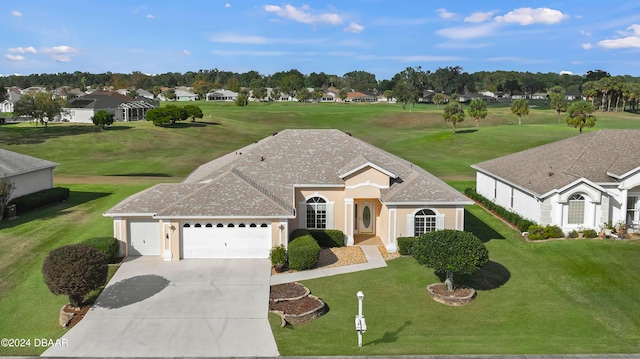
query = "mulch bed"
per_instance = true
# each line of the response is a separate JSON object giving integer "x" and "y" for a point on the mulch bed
{"x": 441, "y": 289}
{"x": 286, "y": 290}
{"x": 298, "y": 306}
{"x": 79, "y": 314}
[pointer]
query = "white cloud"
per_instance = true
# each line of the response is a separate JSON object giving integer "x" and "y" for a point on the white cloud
{"x": 479, "y": 17}
{"x": 566, "y": 72}
{"x": 303, "y": 14}
{"x": 16, "y": 13}
{"x": 354, "y": 27}
{"x": 468, "y": 32}
{"x": 444, "y": 14}
{"x": 227, "y": 5}
{"x": 585, "y": 33}
{"x": 59, "y": 50}
{"x": 587, "y": 46}
{"x": 61, "y": 58}
{"x": 630, "y": 39}
{"x": 23, "y": 50}
{"x": 150, "y": 16}
{"x": 185, "y": 53}
{"x": 529, "y": 16}
{"x": 14, "y": 57}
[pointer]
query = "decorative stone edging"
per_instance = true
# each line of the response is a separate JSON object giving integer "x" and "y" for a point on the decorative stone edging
{"x": 295, "y": 319}
{"x": 450, "y": 300}
{"x": 306, "y": 293}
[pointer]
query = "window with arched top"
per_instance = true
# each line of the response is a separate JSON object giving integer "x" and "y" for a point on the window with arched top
{"x": 316, "y": 213}
{"x": 253, "y": 225}
{"x": 219, "y": 225}
{"x": 424, "y": 221}
{"x": 575, "y": 214}
{"x": 209, "y": 225}
{"x": 186, "y": 225}
{"x": 198, "y": 225}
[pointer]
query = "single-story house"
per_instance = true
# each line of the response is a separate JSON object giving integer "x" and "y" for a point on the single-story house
{"x": 222, "y": 95}
{"x": 125, "y": 108}
{"x": 29, "y": 174}
{"x": 244, "y": 203}
{"x": 580, "y": 182}
{"x": 13, "y": 95}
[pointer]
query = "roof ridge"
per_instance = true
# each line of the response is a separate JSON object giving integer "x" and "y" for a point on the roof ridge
{"x": 395, "y": 189}
{"x": 253, "y": 183}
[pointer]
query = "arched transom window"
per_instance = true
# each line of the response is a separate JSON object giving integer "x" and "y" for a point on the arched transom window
{"x": 576, "y": 209}
{"x": 316, "y": 213}
{"x": 424, "y": 221}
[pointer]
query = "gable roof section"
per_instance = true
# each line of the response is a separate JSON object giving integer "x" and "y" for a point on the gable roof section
{"x": 603, "y": 156}
{"x": 100, "y": 99}
{"x": 13, "y": 164}
{"x": 259, "y": 179}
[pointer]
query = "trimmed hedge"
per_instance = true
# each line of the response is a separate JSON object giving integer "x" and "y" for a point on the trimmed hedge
{"x": 39, "y": 199}
{"x": 326, "y": 238}
{"x": 590, "y": 233}
{"x": 304, "y": 253}
{"x": 107, "y": 245}
{"x": 523, "y": 224}
{"x": 536, "y": 232}
{"x": 405, "y": 244}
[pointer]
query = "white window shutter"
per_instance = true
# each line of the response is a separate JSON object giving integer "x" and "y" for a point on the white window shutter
{"x": 302, "y": 214}
{"x": 410, "y": 229}
{"x": 330, "y": 215}
{"x": 439, "y": 221}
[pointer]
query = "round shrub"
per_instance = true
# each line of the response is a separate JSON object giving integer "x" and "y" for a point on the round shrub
{"x": 590, "y": 233}
{"x": 107, "y": 245}
{"x": 535, "y": 232}
{"x": 304, "y": 253}
{"x": 553, "y": 232}
{"x": 278, "y": 256}
{"x": 405, "y": 244}
{"x": 573, "y": 234}
{"x": 74, "y": 270}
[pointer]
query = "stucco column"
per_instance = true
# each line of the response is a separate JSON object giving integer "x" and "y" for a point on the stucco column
{"x": 348, "y": 220}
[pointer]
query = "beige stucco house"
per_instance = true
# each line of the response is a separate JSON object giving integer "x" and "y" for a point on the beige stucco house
{"x": 242, "y": 204}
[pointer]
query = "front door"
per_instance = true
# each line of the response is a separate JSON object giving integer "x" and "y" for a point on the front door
{"x": 366, "y": 217}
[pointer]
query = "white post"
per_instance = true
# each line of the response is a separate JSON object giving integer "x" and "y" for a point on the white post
{"x": 360, "y": 296}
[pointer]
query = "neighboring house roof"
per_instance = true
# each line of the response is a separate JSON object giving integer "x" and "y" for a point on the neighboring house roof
{"x": 13, "y": 164}
{"x": 259, "y": 179}
{"x": 100, "y": 99}
{"x": 600, "y": 157}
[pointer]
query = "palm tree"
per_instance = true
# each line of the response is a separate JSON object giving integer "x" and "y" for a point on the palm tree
{"x": 454, "y": 113}
{"x": 520, "y": 107}
{"x": 478, "y": 110}
{"x": 438, "y": 99}
{"x": 589, "y": 91}
{"x": 580, "y": 115}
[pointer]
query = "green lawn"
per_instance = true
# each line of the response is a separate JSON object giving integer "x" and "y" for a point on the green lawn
{"x": 553, "y": 297}
{"x": 569, "y": 297}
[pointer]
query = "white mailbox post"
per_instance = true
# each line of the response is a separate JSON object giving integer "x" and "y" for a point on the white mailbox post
{"x": 361, "y": 325}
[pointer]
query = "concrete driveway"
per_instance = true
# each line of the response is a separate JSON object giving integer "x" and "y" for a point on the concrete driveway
{"x": 188, "y": 308}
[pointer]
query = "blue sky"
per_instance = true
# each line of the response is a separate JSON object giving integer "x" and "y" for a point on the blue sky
{"x": 381, "y": 37}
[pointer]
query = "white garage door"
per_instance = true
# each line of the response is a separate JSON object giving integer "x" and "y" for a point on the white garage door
{"x": 144, "y": 238}
{"x": 226, "y": 240}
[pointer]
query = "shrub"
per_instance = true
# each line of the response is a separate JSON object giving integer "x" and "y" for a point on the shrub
{"x": 297, "y": 233}
{"x": 573, "y": 234}
{"x": 328, "y": 238}
{"x": 74, "y": 270}
{"x": 535, "y": 232}
{"x": 304, "y": 253}
{"x": 405, "y": 244}
{"x": 278, "y": 256}
{"x": 39, "y": 199}
{"x": 450, "y": 251}
{"x": 553, "y": 232}
{"x": 590, "y": 233}
{"x": 106, "y": 245}
{"x": 515, "y": 219}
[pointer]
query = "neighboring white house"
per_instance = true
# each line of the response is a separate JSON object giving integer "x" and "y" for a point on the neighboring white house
{"x": 125, "y": 108}
{"x": 184, "y": 95}
{"x": 29, "y": 174}
{"x": 581, "y": 182}
{"x": 13, "y": 97}
{"x": 222, "y": 95}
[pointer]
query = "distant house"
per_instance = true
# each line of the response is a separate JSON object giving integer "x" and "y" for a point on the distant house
{"x": 427, "y": 97}
{"x": 356, "y": 96}
{"x": 539, "y": 96}
{"x": 125, "y": 108}
{"x": 184, "y": 95}
{"x": 573, "y": 95}
{"x": 29, "y": 174}
{"x": 580, "y": 182}
{"x": 13, "y": 97}
{"x": 222, "y": 95}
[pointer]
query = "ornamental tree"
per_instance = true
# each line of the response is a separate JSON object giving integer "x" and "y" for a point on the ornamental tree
{"x": 478, "y": 110}
{"x": 520, "y": 107}
{"x": 580, "y": 114}
{"x": 454, "y": 113}
{"x": 193, "y": 111}
{"x": 450, "y": 251}
{"x": 74, "y": 270}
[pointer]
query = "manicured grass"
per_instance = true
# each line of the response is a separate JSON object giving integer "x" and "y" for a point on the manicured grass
{"x": 553, "y": 297}
{"x": 28, "y": 308}
{"x": 561, "y": 290}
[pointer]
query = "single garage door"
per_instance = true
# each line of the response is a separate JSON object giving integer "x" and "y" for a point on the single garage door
{"x": 226, "y": 240}
{"x": 144, "y": 238}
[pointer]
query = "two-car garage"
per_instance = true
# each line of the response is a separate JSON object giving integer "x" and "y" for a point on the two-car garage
{"x": 250, "y": 239}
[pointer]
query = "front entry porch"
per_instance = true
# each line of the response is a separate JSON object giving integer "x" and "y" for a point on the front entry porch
{"x": 367, "y": 240}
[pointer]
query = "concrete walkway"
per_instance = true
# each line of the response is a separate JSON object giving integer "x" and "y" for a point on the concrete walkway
{"x": 374, "y": 260}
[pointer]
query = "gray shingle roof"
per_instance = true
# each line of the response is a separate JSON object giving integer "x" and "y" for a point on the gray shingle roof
{"x": 595, "y": 156}
{"x": 259, "y": 179}
{"x": 13, "y": 163}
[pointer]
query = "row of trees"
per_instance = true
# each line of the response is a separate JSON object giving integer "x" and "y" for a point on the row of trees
{"x": 451, "y": 79}
{"x": 579, "y": 113}
{"x": 170, "y": 114}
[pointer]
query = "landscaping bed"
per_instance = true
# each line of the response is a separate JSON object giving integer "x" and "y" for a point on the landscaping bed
{"x": 294, "y": 304}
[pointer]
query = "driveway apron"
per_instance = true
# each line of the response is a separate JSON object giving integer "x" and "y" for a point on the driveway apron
{"x": 187, "y": 308}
